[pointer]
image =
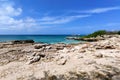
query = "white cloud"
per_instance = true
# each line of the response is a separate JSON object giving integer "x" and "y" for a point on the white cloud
{"x": 47, "y": 18}
{"x": 66, "y": 19}
{"x": 8, "y": 20}
{"x": 7, "y": 9}
{"x": 101, "y": 10}
{"x": 61, "y": 20}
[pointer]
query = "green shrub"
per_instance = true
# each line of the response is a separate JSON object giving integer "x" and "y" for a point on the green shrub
{"x": 95, "y": 34}
{"x": 119, "y": 32}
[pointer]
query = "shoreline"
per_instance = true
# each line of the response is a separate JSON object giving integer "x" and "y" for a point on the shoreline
{"x": 22, "y": 42}
{"x": 38, "y": 38}
{"x": 98, "y": 60}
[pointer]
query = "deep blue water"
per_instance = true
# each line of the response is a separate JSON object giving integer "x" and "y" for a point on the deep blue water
{"x": 38, "y": 38}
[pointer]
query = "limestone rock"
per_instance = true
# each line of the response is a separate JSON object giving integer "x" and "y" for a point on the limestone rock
{"x": 38, "y": 46}
{"x": 88, "y": 61}
{"x": 34, "y": 59}
{"x": 40, "y": 54}
{"x": 22, "y": 41}
{"x": 98, "y": 55}
{"x": 62, "y": 62}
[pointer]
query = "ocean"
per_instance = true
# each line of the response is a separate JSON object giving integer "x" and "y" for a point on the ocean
{"x": 50, "y": 39}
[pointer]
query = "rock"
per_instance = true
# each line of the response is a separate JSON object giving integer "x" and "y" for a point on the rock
{"x": 93, "y": 39}
{"x": 71, "y": 63}
{"x": 109, "y": 47}
{"x": 33, "y": 54}
{"x": 40, "y": 54}
{"x": 62, "y": 61}
{"x": 65, "y": 50}
{"x": 91, "y": 49}
{"x": 99, "y": 55}
{"x": 72, "y": 50}
{"x": 30, "y": 57}
{"x": 106, "y": 44}
{"x": 38, "y": 46}
{"x": 52, "y": 50}
{"x": 77, "y": 47}
{"x": 48, "y": 47}
{"x": 85, "y": 46}
{"x": 85, "y": 39}
{"x": 116, "y": 77}
{"x": 79, "y": 56}
{"x": 89, "y": 62}
{"x": 82, "y": 50}
{"x": 59, "y": 46}
{"x": 34, "y": 59}
{"x": 22, "y": 41}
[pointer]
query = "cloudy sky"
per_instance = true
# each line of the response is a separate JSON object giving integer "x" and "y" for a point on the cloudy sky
{"x": 58, "y": 16}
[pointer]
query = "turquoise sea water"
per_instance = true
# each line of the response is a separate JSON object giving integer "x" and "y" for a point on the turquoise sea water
{"x": 51, "y": 39}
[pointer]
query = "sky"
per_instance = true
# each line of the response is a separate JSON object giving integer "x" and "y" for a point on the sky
{"x": 58, "y": 16}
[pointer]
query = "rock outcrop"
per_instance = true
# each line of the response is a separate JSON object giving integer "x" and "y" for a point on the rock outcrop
{"x": 22, "y": 41}
{"x": 88, "y": 61}
{"x": 93, "y": 39}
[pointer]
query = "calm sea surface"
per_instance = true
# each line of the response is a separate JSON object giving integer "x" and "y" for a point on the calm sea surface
{"x": 38, "y": 38}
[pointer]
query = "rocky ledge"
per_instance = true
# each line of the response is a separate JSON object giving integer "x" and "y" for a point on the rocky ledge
{"x": 22, "y": 41}
{"x": 37, "y": 61}
{"x": 92, "y": 39}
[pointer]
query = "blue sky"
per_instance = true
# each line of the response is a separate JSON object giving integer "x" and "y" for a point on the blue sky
{"x": 58, "y": 16}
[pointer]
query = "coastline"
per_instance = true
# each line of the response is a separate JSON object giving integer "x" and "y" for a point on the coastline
{"x": 98, "y": 60}
{"x": 50, "y": 39}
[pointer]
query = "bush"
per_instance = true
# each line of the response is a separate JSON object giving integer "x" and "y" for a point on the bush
{"x": 95, "y": 34}
{"x": 119, "y": 32}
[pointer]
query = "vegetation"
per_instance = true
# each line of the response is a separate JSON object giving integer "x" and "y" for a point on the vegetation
{"x": 119, "y": 32}
{"x": 95, "y": 34}
{"x": 101, "y": 32}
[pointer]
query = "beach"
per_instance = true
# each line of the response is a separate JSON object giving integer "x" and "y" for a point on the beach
{"x": 99, "y": 60}
{"x": 59, "y": 39}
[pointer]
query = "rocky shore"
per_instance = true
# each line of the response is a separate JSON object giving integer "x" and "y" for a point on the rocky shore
{"x": 92, "y": 39}
{"x": 27, "y": 60}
